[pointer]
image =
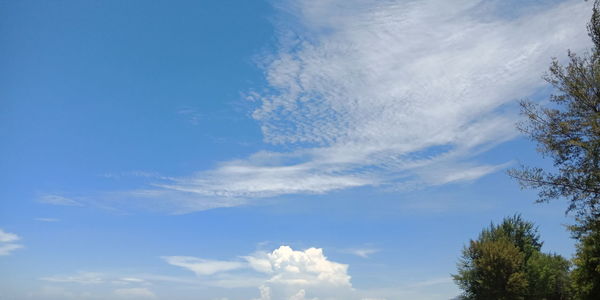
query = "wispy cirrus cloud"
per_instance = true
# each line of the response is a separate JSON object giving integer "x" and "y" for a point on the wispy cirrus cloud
{"x": 79, "y": 278}
{"x": 47, "y": 219}
{"x": 202, "y": 266}
{"x": 386, "y": 93}
{"x": 58, "y": 200}
{"x": 370, "y": 93}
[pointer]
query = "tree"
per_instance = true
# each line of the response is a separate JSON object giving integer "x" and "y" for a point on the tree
{"x": 521, "y": 233}
{"x": 492, "y": 270}
{"x": 506, "y": 262}
{"x": 568, "y": 131}
{"x": 548, "y": 277}
{"x": 586, "y": 275}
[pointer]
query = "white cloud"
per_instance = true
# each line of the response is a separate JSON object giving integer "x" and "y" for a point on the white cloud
{"x": 300, "y": 296}
{"x": 283, "y": 273}
{"x": 362, "y": 252}
{"x": 60, "y": 293}
{"x": 395, "y": 93}
{"x": 79, "y": 278}
{"x": 58, "y": 200}
{"x": 407, "y": 87}
{"x": 293, "y": 267}
{"x": 134, "y": 293}
{"x": 265, "y": 293}
{"x": 131, "y": 280}
{"x": 7, "y": 237}
{"x": 202, "y": 266}
{"x": 47, "y": 219}
{"x": 7, "y": 249}
{"x": 7, "y": 245}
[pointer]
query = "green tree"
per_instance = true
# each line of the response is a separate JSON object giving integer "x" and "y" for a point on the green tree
{"x": 506, "y": 262}
{"x": 548, "y": 277}
{"x": 586, "y": 275}
{"x": 522, "y": 234}
{"x": 568, "y": 132}
{"x": 492, "y": 270}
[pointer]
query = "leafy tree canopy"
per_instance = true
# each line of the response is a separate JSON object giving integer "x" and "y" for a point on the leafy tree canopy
{"x": 506, "y": 262}
{"x": 568, "y": 131}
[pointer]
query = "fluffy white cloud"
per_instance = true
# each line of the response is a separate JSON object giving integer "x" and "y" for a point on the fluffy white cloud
{"x": 300, "y": 296}
{"x": 284, "y": 273}
{"x": 294, "y": 273}
{"x": 293, "y": 267}
{"x": 281, "y": 274}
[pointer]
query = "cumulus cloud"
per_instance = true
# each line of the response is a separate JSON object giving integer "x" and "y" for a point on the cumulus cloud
{"x": 284, "y": 273}
{"x": 7, "y": 245}
{"x": 395, "y": 93}
{"x": 300, "y": 296}
{"x": 293, "y": 267}
{"x": 280, "y": 274}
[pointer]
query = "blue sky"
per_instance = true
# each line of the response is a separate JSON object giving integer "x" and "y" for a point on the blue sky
{"x": 265, "y": 150}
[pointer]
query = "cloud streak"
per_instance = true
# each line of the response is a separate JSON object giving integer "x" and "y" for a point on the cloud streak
{"x": 398, "y": 94}
{"x": 202, "y": 266}
{"x": 371, "y": 93}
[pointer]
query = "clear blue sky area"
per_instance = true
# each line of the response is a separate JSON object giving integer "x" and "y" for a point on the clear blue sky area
{"x": 258, "y": 150}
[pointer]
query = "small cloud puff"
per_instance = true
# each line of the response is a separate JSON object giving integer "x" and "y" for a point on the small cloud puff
{"x": 7, "y": 245}
{"x": 292, "y": 267}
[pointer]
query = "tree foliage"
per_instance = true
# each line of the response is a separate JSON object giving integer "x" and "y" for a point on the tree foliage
{"x": 568, "y": 131}
{"x": 548, "y": 277}
{"x": 506, "y": 262}
{"x": 492, "y": 270}
{"x": 586, "y": 275}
